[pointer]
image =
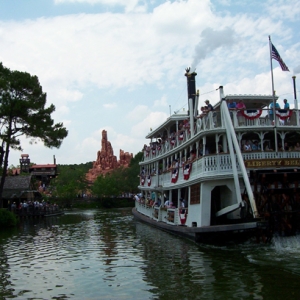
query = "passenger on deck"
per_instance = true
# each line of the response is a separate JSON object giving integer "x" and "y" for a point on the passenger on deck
{"x": 267, "y": 147}
{"x": 247, "y": 147}
{"x": 171, "y": 205}
{"x": 203, "y": 112}
{"x": 240, "y": 106}
{"x": 297, "y": 147}
{"x": 277, "y": 106}
{"x": 186, "y": 124}
{"x": 220, "y": 148}
{"x": 256, "y": 146}
{"x": 231, "y": 105}
{"x": 192, "y": 156}
{"x": 183, "y": 204}
{"x": 157, "y": 202}
{"x": 209, "y": 106}
{"x": 200, "y": 150}
{"x": 286, "y": 147}
{"x": 286, "y": 106}
{"x": 180, "y": 134}
{"x": 173, "y": 139}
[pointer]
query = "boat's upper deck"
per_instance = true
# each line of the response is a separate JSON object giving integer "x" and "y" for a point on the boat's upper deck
{"x": 177, "y": 132}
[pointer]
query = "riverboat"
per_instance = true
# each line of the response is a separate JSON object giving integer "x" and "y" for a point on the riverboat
{"x": 224, "y": 173}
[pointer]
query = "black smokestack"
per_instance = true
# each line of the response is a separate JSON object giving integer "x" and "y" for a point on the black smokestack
{"x": 295, "y": 92}
{"x": 191, "y": 85}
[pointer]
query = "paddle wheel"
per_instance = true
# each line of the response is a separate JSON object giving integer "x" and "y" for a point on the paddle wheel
{"x": 277, "y": 195}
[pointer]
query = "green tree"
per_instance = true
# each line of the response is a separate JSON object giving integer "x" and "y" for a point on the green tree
{"x": 132, "y": 173}
{"x": 71, "y": 180}
{"x": 23, "y": 112}
{"x": 119, "y": 181}
{"x": 106, "y": 186}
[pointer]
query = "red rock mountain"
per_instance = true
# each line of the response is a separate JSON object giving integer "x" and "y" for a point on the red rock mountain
{"x": 106, "y": 160}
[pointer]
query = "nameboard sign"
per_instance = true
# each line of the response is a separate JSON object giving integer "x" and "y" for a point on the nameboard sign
{"x": 271, "y": 163}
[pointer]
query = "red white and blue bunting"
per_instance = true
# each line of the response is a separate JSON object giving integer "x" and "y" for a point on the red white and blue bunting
{"x": 284, "y": 114}
{"x": 174, "y": 176}
{"x": 180, "y": 137}
{"x": 251, "y": 114}
{"x": 187, "y": 171}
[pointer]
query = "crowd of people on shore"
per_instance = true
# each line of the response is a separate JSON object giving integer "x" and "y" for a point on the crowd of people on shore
{"x": 35, "y": 206}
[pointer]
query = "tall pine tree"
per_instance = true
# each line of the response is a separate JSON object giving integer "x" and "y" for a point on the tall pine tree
{"x": 23, "y": 112}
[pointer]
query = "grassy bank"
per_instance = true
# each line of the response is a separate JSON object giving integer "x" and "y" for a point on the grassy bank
{"x": 7, "y": 219}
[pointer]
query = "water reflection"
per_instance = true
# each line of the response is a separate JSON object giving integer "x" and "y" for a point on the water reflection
{"x": 100, "y": 254}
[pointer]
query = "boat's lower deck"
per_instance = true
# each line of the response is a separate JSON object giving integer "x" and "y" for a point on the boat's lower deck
{"x": 213, "y": 233}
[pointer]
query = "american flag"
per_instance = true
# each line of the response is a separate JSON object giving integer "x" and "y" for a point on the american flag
{"x": 277, "y": 57}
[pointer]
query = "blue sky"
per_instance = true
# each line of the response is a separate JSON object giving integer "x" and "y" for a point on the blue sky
{"x": 118, "y": 65}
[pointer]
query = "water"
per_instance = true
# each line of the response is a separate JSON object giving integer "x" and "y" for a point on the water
{"x": 105, "y": 254}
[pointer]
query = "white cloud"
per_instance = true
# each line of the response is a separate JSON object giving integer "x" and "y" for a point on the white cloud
{"x": 297, "y": 69}
{"x": 282, "y": 9}
{"x": 63, "y": 110}
{"x": 152, "y": 120}
{"x": 138, "y": 113}
{"x": 161, "y": 102}
{"x": 109, "y": 105}
{"x": 130, "y": 5}
{"x": 101, "y": 70}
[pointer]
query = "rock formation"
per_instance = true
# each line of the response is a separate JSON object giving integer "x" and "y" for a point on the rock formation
{"x": 106, "y": 160}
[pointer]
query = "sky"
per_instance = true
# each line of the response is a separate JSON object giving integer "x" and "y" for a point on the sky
{"x": 119, "y": 65}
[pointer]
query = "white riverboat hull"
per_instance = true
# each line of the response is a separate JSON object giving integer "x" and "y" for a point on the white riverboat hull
{"x": 207, "y": 234}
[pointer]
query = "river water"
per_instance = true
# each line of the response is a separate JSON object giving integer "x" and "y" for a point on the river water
{"x": 106, "y": 254}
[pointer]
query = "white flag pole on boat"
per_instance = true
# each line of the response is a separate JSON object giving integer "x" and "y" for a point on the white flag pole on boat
{"x": 274, "y": 101}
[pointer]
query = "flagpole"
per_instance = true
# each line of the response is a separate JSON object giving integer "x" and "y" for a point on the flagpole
{"x": 273, "y": 95}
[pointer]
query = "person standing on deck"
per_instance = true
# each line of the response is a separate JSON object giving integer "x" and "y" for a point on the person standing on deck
{"x": 286, "y": 106}
{"x": 231, "y": 107}
{"x": 240, "y": 106}
{"x": 277, "y": 106}
{"x": 209, "y": 107}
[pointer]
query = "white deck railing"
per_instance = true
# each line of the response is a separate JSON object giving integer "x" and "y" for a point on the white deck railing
{"x": 160, "y": 214}
{"x": 214, "y": 121}
{"x": 219, "y": 164}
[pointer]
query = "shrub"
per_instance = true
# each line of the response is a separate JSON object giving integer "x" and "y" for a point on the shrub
{"x": 7, "y": 218}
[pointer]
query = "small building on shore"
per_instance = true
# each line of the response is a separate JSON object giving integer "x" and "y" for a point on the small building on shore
{"x": 19, "y": 189}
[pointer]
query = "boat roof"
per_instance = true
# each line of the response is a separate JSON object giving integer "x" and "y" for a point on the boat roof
{"x": 176, "y": 117}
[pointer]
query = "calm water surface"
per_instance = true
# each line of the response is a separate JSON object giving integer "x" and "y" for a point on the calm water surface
{"x": 105, "y": 254}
